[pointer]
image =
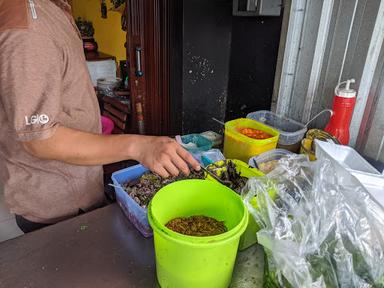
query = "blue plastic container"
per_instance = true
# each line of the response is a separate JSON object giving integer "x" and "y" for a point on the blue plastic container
{"x": 211, "y": 156}
{"x": 200, "y": 143}
{"x": 135, "y": 213}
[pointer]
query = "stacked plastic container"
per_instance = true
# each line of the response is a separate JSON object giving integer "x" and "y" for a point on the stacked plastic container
{"x": 264, "y": 162}
{"x": 291, "y": 131}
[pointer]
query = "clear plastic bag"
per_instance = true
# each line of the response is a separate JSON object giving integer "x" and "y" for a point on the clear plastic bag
{"x": 323, "y": 229}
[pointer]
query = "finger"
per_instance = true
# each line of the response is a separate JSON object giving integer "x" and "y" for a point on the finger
{"x": 171, "y": 168}
{"x": 180, "y": 164}
{"x": 162, "y": 172}
{"x": 187, "y": 157}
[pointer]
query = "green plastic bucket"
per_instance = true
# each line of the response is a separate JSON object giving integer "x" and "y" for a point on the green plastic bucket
{"x": 249, "y": 236}
{"x": 187, "y": 261}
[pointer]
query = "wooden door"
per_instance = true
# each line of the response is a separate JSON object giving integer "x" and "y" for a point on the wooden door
{"x": 135, "y": 47}
{"x": 148, "y": 56}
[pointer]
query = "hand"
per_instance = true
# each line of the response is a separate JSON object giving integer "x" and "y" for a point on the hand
{"x": 164, "y": 156}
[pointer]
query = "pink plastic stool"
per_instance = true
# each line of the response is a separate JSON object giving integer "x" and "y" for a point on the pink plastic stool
{"x": 107, "y": 125}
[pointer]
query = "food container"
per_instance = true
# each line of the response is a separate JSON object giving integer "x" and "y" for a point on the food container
{"x": 352, "y": 161}
{"x": 190, "y": 261}
{"x": 195, "y": 143}
{"x": 241, "y": 167}
{"x": 239, "y": 146}
{"x": 211, "y": 156}
{"x": 291, "y": 131}
{"x": 214, "y": 137}
{"x": 249, "y": 236}
{"x": 267, "y": 161}
{"x": 308, "y": 146}
{"x": 134, "y": 212}
{"x": 106, "y": 86}
{"x": 307, "y": 149}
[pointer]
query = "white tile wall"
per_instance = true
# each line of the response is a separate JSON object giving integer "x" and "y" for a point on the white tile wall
{"x": 8, "y": 227}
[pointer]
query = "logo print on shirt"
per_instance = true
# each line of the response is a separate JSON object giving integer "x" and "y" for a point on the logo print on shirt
{"x": 36, "y": 119}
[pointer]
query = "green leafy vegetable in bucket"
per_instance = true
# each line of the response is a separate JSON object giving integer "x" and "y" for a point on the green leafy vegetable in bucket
{"x": 142, "y": 190}
{"x": 228, "y": 173}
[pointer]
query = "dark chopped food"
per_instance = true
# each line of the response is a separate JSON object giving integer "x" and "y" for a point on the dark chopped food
{"x": 142, "y": 190}
{"x": 197, "y": 226}
{"x": 228, "y": 173}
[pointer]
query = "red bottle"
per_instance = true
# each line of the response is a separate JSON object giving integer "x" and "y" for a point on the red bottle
{"x": 343, "y": 106}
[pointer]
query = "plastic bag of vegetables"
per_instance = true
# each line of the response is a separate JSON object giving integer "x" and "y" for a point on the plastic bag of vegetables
{"x": 323, "y": 230}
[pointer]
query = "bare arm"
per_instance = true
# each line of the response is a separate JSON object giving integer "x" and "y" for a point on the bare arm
{"x": 160, "y": 154}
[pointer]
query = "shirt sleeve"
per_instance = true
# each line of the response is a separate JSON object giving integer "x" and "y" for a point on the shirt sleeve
{"x": 31, "y": 71}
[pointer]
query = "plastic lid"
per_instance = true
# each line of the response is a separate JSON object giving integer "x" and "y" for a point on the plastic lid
{"x": 346, "y": 92}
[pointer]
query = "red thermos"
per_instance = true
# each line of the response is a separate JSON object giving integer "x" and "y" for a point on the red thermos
{"x": 343, "y": 105}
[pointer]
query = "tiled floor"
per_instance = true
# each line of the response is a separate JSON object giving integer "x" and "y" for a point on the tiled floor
{"x": 8, "y": 227}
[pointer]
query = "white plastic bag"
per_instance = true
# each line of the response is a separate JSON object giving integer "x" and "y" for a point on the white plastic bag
{"x": 322, "y": 230}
